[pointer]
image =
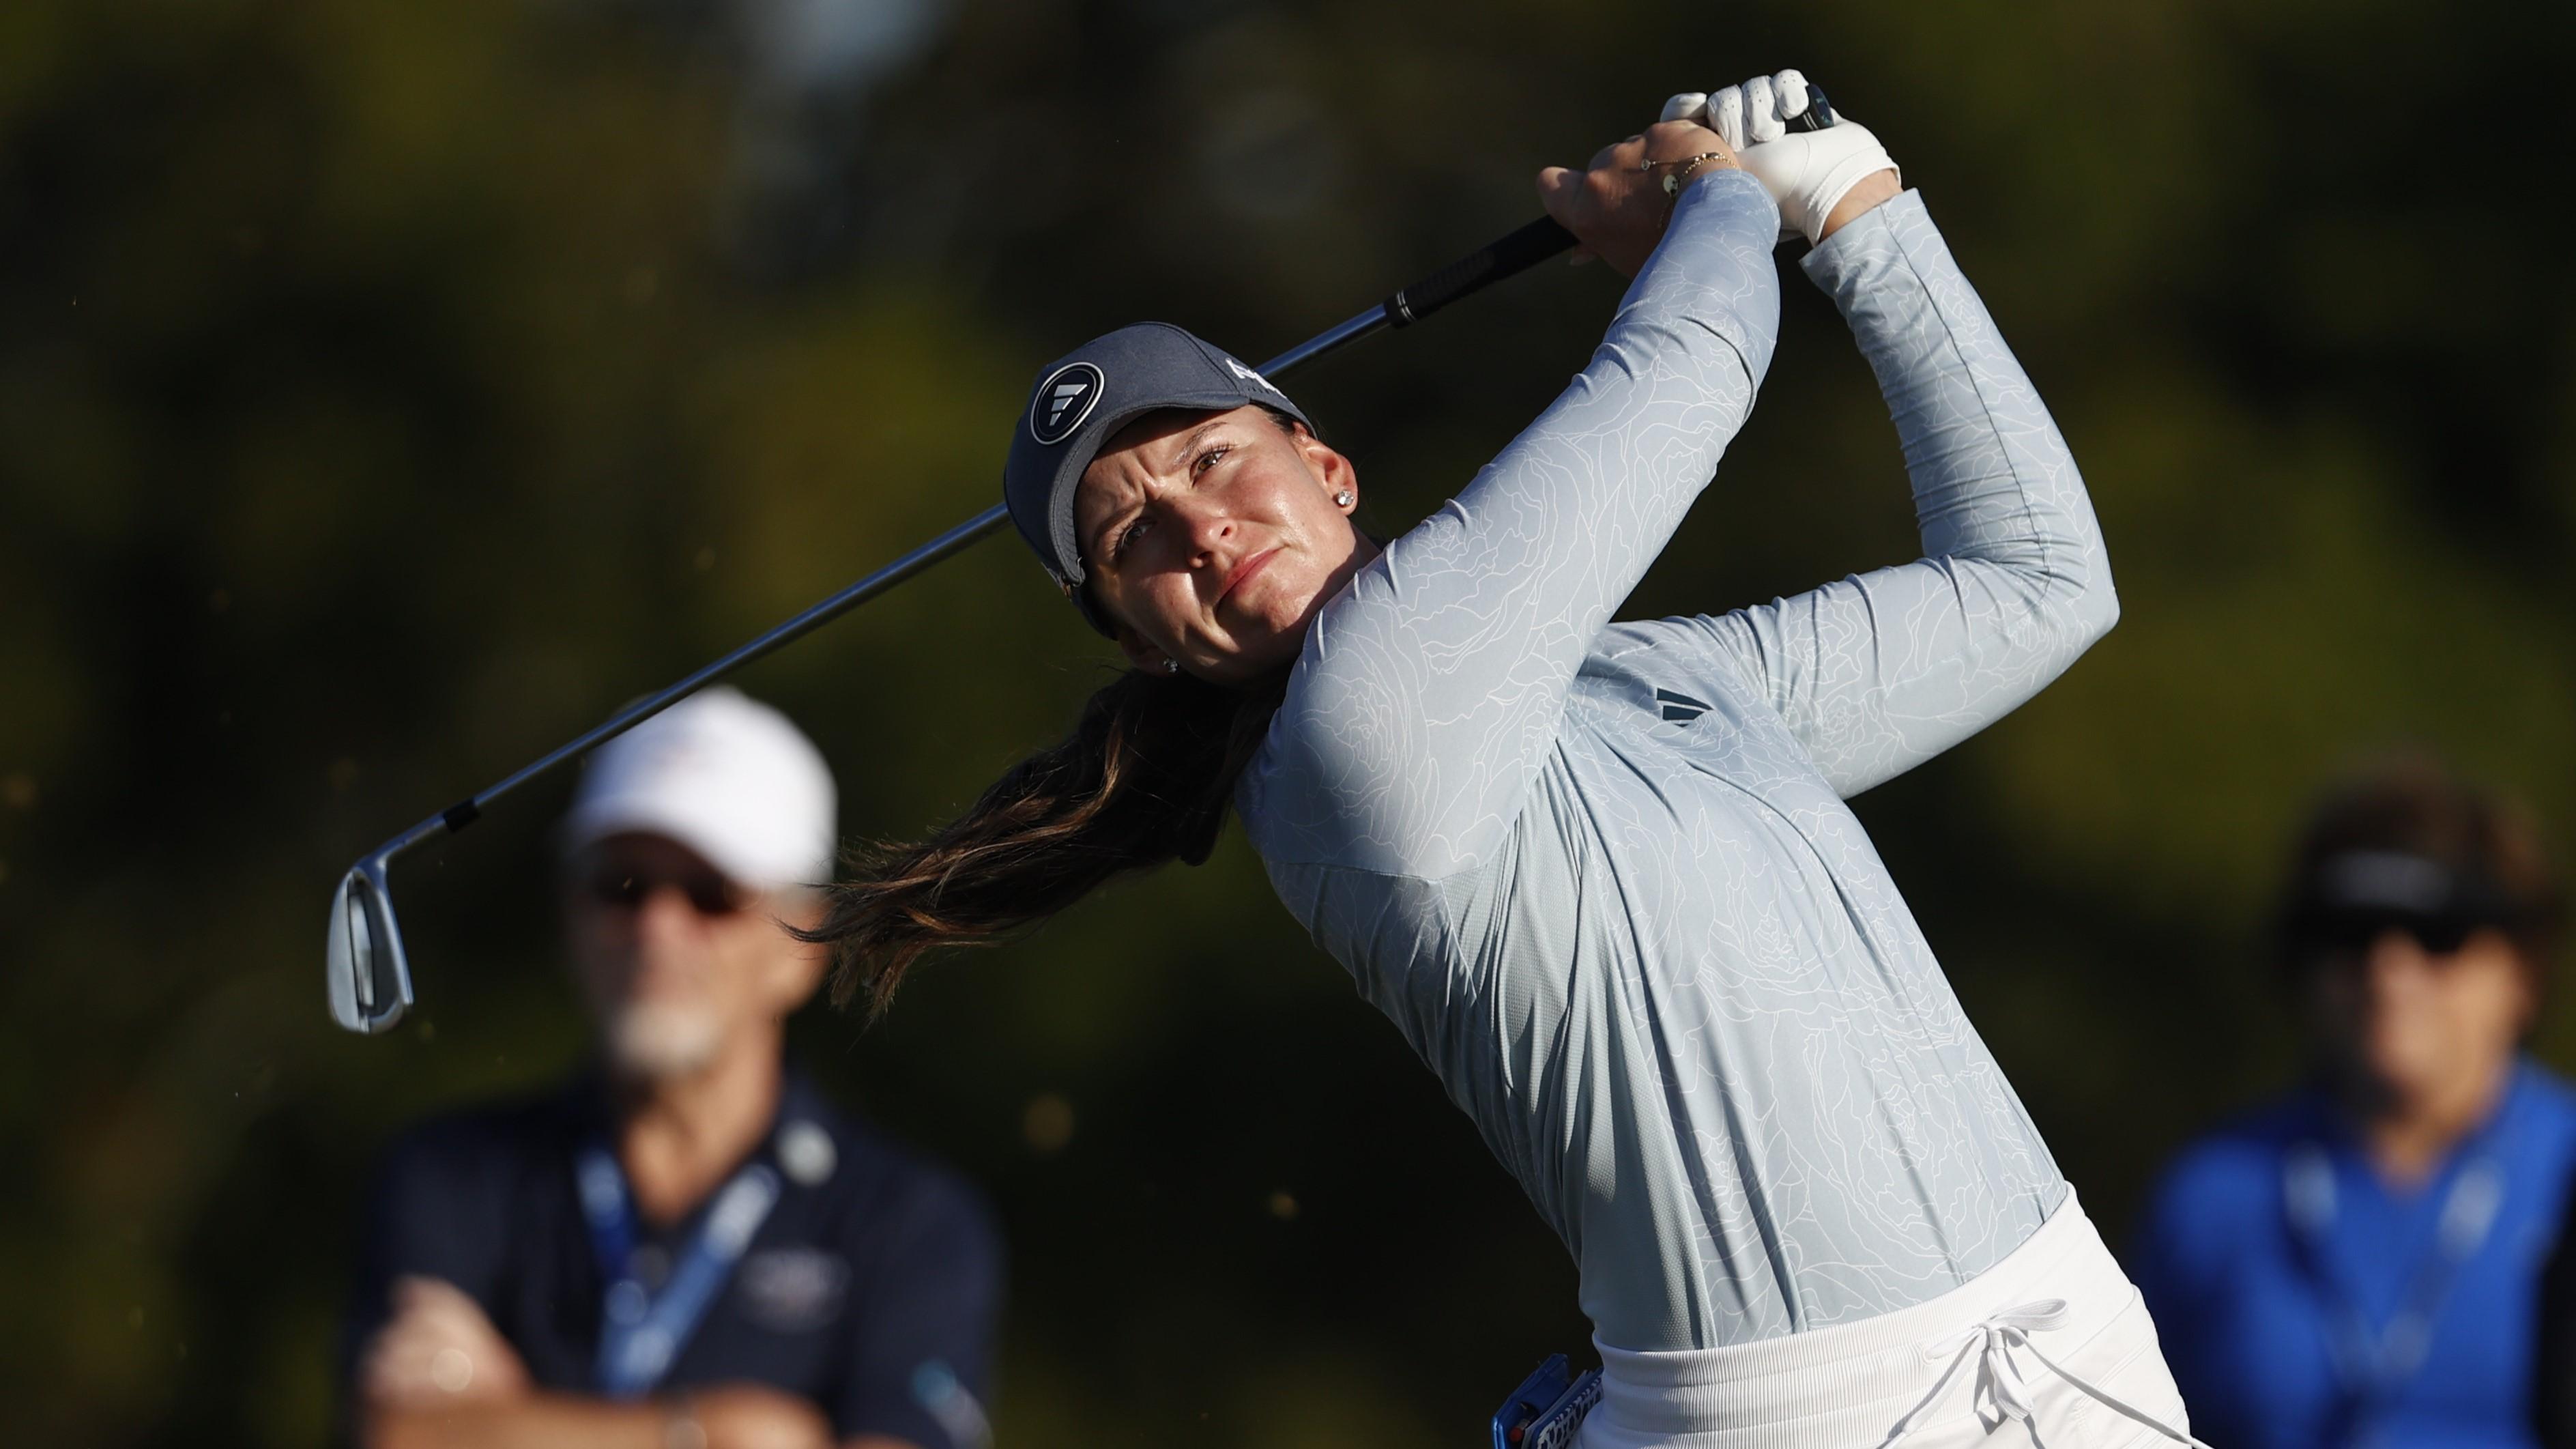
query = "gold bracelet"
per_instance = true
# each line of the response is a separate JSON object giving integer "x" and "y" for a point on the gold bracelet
{"x": 1674, "y": 181}
{"x": 1684, "y": 161}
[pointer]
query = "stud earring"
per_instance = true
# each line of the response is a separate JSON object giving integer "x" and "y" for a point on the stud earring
{"x": 1342, "y": 499}
{"x": 1171, "y": 666}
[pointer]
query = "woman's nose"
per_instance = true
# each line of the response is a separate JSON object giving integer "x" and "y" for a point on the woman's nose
{"x": 1206, "y": 526}
{"x": 2396, "y": 962}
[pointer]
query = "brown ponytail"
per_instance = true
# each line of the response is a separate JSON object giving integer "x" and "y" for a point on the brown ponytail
{"x": 1146, "y": 777}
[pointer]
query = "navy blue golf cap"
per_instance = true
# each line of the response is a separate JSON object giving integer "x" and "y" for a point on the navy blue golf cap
{"x": 1090, "y": 393}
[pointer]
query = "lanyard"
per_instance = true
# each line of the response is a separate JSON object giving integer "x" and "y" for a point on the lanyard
{"x": 640, "y": 1331}
{"x": 2375, "y": 1364}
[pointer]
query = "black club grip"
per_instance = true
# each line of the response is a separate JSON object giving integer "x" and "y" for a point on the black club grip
{"x": 1508, "y": 257}
{"x": 1819, "y": 112}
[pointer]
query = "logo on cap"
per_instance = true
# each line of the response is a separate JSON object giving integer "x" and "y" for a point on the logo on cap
{"x": 1248, "y": 375}
{"x": 1063, "y": 401}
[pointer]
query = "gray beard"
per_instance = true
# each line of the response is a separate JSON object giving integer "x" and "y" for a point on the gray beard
{"x": 655, "y": 1043}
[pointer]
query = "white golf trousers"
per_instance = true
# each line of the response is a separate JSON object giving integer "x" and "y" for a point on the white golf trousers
{"x": 2051, "y": 1347}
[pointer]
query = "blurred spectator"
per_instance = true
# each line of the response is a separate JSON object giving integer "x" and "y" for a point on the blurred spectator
{"x": 2359, "y": 1263}
{"x": 684, "y": 1247}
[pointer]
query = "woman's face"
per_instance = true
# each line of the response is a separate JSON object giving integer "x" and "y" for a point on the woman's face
{"x": 1213, "y": 538}
{"x": 2414, "y": 1025}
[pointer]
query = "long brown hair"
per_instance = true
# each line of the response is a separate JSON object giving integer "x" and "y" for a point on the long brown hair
{"x": 1146, "y": 777}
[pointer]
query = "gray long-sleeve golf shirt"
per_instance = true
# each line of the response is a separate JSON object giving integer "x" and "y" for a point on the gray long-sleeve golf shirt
{"x": 1602, "y": 876}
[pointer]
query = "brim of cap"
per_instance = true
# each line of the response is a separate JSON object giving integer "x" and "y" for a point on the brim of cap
{"x": 1084, "y": 446}
{"x": 589, "y": 824}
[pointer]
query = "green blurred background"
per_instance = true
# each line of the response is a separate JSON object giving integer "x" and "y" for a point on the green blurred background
{"x": 389, "y": 391}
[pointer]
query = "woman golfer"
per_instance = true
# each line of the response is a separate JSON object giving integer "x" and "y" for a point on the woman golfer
{"x": 1601, "y": 875}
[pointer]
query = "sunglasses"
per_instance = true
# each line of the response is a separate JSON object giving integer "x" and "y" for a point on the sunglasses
{"x": 707, "y": 893}
{"x": 2350, "y": 931}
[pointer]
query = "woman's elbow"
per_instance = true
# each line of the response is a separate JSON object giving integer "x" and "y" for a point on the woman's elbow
{"x": 2085, "y": 613}
{"x": 2068, "y": 610}
{"x": 2099, "y": 609}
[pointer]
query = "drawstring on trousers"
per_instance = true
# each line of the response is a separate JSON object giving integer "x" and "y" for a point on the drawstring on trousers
{"x": 2002, "y": 1391}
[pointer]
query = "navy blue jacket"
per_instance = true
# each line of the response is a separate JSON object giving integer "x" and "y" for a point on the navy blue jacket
{"x": 871, "y": 1289}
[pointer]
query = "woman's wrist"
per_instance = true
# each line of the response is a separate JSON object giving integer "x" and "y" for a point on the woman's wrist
{"x": 1870, "y": 192}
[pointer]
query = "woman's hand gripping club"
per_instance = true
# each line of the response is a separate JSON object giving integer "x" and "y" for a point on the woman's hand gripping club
{"x": 1617, "y": 206}
{"x": 1823, "y": 172}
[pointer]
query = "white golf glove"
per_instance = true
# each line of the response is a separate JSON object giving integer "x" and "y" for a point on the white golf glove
{"x": 1805, "y": 171}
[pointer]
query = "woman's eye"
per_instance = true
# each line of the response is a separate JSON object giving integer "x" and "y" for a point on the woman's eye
{"x": 1207, "y": 460}
{"x": 1126, "y": 538}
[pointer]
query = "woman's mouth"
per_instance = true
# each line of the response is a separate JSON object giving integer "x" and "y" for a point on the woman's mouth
{"x": 1243, "y": 570}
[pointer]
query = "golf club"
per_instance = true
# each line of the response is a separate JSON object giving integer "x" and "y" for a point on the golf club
{"x": 368, "y": 975}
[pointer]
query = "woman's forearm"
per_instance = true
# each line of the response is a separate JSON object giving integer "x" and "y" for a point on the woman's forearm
{"x": 1992, "y": 477}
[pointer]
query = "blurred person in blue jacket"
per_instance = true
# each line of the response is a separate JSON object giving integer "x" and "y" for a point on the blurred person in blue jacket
{"x": 684, "y": 1246}
{"x": 2359, "y": 1263}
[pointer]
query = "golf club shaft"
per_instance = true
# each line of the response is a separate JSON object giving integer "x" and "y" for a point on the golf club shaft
{"x": 1506, "y": 257}
{"x": 1512, "y": 254}
{"x": 1509, "y": 256}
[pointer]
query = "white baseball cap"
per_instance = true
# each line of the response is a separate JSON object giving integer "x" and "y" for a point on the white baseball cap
{"x": 724, "y": 775}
